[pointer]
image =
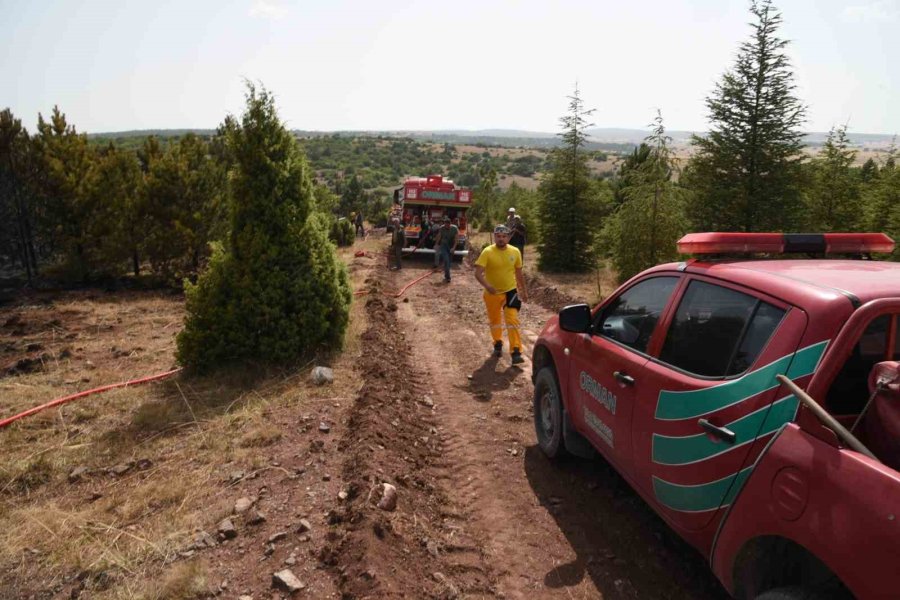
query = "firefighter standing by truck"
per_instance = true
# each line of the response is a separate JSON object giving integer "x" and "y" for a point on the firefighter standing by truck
{"x": 499, "y": 271}
{"x": 444, "y": 244}
{"x": 398, "y": 241}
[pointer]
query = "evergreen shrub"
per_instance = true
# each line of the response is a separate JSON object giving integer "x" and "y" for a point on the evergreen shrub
{"x": 275, "y": 291}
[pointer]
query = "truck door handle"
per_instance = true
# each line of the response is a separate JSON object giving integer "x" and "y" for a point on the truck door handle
{"x": 723, "y": 433}
{"x": 623, "y": 377}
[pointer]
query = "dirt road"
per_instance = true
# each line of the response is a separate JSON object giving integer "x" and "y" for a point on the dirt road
{"x": 492, "y": 516}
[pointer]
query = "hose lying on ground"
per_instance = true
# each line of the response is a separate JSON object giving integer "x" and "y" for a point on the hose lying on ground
{"x": 402, "y": 290}
{"x": 72, "y": 397}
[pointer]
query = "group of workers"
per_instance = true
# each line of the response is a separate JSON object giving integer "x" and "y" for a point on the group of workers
{"x": 498, "y": 269}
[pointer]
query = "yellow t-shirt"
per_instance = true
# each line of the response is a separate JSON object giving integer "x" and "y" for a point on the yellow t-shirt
{"x": 500, "y": 266}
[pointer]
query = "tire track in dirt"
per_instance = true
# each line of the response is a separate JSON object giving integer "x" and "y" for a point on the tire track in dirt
{"x": 548, "y": 530}
{"x": 423, "y": 549}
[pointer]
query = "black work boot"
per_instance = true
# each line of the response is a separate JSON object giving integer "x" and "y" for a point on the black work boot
{"x": 498, "y": 349}
{"x": 517, "y": 357}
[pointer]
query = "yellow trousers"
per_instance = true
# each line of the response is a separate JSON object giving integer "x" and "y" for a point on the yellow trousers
{"x": 496, "y": 308}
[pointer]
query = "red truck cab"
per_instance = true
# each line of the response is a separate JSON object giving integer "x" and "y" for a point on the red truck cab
{"x": 673, "y": 380}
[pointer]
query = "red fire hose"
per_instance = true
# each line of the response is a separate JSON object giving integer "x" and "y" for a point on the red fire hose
{"x": 65, "y": 399}
{"x": 403, "y": 289}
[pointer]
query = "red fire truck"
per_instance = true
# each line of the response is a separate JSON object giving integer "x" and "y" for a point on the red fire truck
{"x": 428, "y": 200}
{"x": 754, "y": 403}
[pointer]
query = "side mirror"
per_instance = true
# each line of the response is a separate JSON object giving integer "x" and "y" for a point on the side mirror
{"x": 575, "y": 318}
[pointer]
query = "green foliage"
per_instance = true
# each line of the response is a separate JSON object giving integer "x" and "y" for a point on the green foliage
{"x": 527, "y": 204}
{"x": 746, "y": 172}
{"x": 643, "y": 230}
{"x": 881, "y": 200}
{"x": 277, "y": 290}
{"x": 570, "y": 205}
{"x": 486, "y": 211}
{"x": 117, "y": 229}
{"x": 343, "y": 232}
{"x": 182, "y": 207}
{"x": 18, "y": 210}
{"x": 352, "y": 198}
{"x": 68, "y": 211}
{"x": 832, "y": 196}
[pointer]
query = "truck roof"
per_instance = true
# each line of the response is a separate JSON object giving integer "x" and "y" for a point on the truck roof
{"x": 803, "y": 282}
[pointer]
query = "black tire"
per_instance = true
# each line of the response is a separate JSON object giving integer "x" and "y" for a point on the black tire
{"x": 548, "y": 414}
{"x": 801, "y": 593}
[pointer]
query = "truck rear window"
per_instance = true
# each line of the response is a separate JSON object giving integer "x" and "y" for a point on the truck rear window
{"x": 718, "y": 332}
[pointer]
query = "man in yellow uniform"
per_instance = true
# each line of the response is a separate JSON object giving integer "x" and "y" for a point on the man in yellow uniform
{"x": 499, "y": 271}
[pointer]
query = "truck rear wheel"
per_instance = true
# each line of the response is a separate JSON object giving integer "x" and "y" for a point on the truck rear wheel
{"x": 804, "y": 593}
{"x": 548, "y": 414}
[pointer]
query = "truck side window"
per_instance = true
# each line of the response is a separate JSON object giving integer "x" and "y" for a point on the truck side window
{"x": 631, "y": 318}
{"x": 717, "y": 331}
{"x": 850, "y": 389}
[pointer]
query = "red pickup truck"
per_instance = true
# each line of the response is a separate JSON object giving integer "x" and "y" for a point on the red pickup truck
{"x": 753, "y": 403}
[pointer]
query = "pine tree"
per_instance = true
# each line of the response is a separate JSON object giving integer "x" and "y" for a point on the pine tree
{"x": 569, "y": 203}
{"x": 644, "y": 229}
{"x": 276, "y": 290}
{"x": 183, "y": 199}
{"x": 116, "y": 229}
{"x": 17, "y": 202}
{"x": 746, "y": 171}
{"x": 881, "y": 200}
{"x": 63, "y": 162}
{"x": 832, "y": 198}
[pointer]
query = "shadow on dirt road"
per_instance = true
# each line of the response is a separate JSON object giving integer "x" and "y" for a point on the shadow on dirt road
{"x": 619, "y": 542}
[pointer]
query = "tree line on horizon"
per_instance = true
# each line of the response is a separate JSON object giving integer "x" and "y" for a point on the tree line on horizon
{"x": 747, "y": 174}
{"x": 80, "y": 209}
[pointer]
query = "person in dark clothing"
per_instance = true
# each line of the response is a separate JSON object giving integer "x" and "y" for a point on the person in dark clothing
{"x": 444, "y": 245}
{"x": 398, "y": 241}
{"x": 517, "y": 235}
{"x": 359, "y": 224}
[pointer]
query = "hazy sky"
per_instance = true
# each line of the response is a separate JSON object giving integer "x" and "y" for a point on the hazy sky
{"x": 467, "y": 64}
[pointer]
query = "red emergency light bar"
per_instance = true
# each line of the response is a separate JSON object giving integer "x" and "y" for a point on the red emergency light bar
{"x": 784, "y": 243}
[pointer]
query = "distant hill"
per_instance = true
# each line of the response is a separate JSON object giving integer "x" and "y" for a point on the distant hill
{"x": 612, "y": 139}
{"x": 813, "y": 138}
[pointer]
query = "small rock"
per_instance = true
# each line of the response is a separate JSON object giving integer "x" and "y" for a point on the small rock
{"x": 245, "y": 597}
{"x": 287, "y": 581}
{"x": 242, "y": 505}
{"x": 324, "y": 427}
{"x": 226, "y": 529}
{"x": 270, "y": 550}
{"x": 291, "y": 560}
{"x": 236, "y": 476}
{"x": 203, "y": 540}
{"x": 303, "y": 526}
{"x": 277, "y": 537}
{"x": 143, "y": 464}
{"x": 326, "y": 477}
{"x": 388, "y": 497}
{"x": 120, "y": 470}
{"x": 77, "y": 473}
{"x": 322, "y": 375}
{"x": 256, "y": 518}
{"x": 342, "y": 495}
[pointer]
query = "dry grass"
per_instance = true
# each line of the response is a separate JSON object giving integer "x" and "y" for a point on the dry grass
{"x": 182, "y": 436}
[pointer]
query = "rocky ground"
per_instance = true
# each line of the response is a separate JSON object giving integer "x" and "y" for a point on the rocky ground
{"x": 414, "y": 474}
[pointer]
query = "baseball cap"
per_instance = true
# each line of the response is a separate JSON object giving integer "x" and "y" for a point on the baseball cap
{"x": 501, "y": 229}
{"x": 511, "y": 209}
